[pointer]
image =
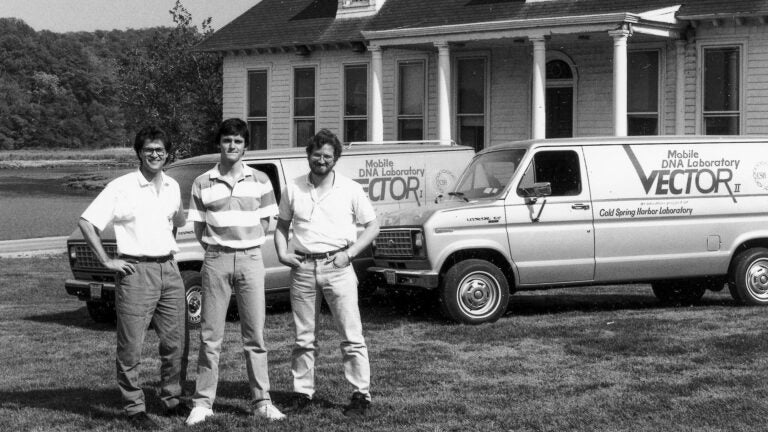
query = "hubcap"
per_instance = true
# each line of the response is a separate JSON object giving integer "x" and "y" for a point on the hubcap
{"x": 757, "y": 278}
{"x": 478, "y": 294}
{"x": 194, "y": 304}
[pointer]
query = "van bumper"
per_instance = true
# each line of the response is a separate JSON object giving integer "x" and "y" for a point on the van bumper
{"x": 398, "y": 278}
{"x": 90, "y": 291}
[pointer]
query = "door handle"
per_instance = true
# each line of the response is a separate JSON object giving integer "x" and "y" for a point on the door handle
{"x": 580, "y": 206}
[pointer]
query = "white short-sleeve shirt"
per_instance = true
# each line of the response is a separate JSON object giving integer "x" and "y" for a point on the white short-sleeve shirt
{"x": 142, "y": 216}
{"x": 327, "y": 223}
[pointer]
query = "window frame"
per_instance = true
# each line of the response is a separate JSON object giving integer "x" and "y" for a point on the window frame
{"x": 294, "y": 117}
{"x": 344, "y": 116}
{"x": 486, "y": 95}
{"x": 572, "y": 83}
{"x": 660, "y": 80}
{"x": 425, "y": 100}
{"x": 248, "y": 117}
{"x": 701, "y": 47}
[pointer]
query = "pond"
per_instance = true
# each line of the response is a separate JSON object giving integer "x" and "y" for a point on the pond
{"x": 34, "y": 202}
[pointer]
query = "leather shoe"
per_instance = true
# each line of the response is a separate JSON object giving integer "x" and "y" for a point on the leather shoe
{"x": 142, "y": 421}
{"x": 358, "y": 406}
{"x": 180, "y": 410}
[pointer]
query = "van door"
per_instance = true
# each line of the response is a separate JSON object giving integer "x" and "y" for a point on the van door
{"x": 551, "y": 238}
{"x": 278, "y": 276}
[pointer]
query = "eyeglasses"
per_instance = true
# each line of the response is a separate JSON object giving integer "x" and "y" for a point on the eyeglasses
{"x": 160, "y": 152}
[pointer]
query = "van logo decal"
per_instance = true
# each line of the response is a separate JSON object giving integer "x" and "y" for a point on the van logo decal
{"x": 384, "y": 180}
{"x": 443, "y": 180}
{"x": 689, "y": 173}
{"x": 760, "y": 174}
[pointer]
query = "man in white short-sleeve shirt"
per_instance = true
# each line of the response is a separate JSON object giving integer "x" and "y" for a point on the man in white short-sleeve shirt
{"x": 144, "y": 207}
{"x": 325, "y": 208}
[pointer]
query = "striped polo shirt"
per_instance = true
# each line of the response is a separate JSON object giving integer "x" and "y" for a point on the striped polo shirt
{"x": 232, "y": 214}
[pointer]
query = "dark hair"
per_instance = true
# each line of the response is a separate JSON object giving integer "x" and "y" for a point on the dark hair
{"x": 233, "y": 126}
{"x": 321, "y": 138}
{"x": 151, "y": 133}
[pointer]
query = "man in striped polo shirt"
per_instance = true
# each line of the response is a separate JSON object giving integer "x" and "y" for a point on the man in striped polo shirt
{"x": 231, "y": 205}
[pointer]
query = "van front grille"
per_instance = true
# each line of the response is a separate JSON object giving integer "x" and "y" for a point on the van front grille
{"x": 394, "y": 243}
{"x": 86, "y": 259}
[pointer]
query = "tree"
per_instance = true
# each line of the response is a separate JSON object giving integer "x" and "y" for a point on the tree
{"x": 171, "y": 84}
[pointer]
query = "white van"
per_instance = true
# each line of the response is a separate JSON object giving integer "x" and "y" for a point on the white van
{"x": 683, "y": 213}
{"x": 395, "y": 175}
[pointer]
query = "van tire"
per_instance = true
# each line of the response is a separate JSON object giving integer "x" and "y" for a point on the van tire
{"x": 193, "y": 287}
{"x": 474, "y": 291}
{"x": 749, "y": 279}
{"x": 680, "y": 292}
{"x": 101, "y": 312}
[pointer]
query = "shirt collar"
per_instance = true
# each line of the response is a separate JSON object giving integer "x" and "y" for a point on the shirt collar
{"x": 336, "y": 183}
{"x": 214, "y": 173}
{"x": 143, "y": 182}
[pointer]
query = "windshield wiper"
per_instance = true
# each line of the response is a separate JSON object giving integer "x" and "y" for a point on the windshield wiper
{"x": 459, "y": 194}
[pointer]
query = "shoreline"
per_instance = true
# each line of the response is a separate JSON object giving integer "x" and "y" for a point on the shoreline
{"x": 62, "y": 163}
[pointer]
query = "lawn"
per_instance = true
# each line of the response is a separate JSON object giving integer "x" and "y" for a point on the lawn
{"x": 608, "y": 359}
{"x": 47, "y": 158}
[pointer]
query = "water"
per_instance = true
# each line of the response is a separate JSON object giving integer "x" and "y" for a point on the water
{"x": 35, "y": 203}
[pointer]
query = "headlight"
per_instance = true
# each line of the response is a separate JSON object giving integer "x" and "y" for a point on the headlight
{"x": 419, "y": 249}
{"x": 72, "y": 256}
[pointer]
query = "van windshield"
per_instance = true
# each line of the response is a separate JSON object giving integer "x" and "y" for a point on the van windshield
{"x": 185, "y": 175}
{"x": 488, "y": 174}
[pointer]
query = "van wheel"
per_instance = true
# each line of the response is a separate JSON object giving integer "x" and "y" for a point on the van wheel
{"x": 101, "y": 312}
{"x": 193, "y": 285}
{"x": 680, "y": 292}
{"x": 474, "y": 291}
{"x": 749, "y": 280}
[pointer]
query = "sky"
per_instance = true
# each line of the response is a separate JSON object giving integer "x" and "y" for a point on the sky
{"x": 89, "y": 15}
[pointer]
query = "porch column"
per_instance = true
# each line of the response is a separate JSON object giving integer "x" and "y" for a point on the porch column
{"x": 443, "y": 92}
{"x": 538, "y": 87}
{"x": 680, "y": 89}
{"x": 619, "y": 81}
{"x": 377, "y": 105}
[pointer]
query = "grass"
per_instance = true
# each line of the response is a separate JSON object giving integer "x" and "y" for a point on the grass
{"x": 62, "y": 157}
{"x": 593, "y": 359}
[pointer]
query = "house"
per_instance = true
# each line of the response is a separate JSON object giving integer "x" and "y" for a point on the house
{"x": 479, "y": 72}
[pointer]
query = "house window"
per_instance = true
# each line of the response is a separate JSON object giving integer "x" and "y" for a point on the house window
{"x": 257, "y": 109}
{"x": 355, "y": 103}
{"x": 559, "y": 99}
{"x": 470, "y": 104}
{"x": 643, "y": 93}
{"x": 410, "y": 109}
{"x": 722, "y": 112}
{"x": 303, "y": 105}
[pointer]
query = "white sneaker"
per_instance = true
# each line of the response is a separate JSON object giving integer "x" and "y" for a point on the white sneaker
{"x": 269, "y": 412}
{"x": 198, "y": 414}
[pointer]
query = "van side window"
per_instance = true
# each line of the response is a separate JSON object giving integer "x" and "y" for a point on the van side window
{"x": 560, "y": 168}
{"x": 271, "y": 171}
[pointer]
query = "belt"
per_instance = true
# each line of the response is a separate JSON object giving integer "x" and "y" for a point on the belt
{"x": 212, "y": 247}
{"x": 321, "y": 255}
{"x": 158, "y": 259}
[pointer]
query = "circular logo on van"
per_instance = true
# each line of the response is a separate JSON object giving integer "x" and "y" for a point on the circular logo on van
{"x": 760, "y": 174}
{"x": 443, "y": 180}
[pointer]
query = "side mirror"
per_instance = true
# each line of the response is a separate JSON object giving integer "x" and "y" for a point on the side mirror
{"x": 538, "y": 190}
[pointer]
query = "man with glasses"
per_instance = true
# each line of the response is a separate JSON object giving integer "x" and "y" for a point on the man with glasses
{"x": 231, "y": 206}
{"x": 325, "y": 208}
{"x": 144, "y": 207}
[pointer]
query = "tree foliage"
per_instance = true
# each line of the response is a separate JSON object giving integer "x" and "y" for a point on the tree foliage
{"x": 95, "y": 89}
{"x": 171, "y": 84}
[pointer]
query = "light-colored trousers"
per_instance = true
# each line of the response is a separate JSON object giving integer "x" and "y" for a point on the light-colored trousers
{"x": 226, "y": 269}
{"x": 313, "y": 280}
{"x": 154, "y": 293}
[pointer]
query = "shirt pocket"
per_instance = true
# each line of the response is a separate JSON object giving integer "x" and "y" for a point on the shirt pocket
{"x": 125, "y": 209}
{"x": 303, "y": 210}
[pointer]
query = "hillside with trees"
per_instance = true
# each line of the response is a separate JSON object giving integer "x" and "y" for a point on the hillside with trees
{"x": 84, "y": 90}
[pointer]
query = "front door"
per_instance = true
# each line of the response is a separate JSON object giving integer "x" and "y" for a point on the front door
{"x": 559, "y": 110}
{"x": 551, "y": 239}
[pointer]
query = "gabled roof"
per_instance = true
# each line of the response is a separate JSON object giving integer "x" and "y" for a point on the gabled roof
{"x": 699, "y": 9}
{"x": 276, "y": 23}
{"x": 281, "y": 23}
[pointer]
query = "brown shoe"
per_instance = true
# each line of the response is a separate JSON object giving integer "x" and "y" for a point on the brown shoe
{"x": 299, "y": 403}
{"x": 358, "y": 406}
{"x": 142, "y": 421}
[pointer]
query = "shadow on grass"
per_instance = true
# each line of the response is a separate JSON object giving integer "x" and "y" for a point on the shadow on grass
{"x": 239, "y": 390}
{"x": 73, "y": 318}
{"x": 103, "y": 404}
